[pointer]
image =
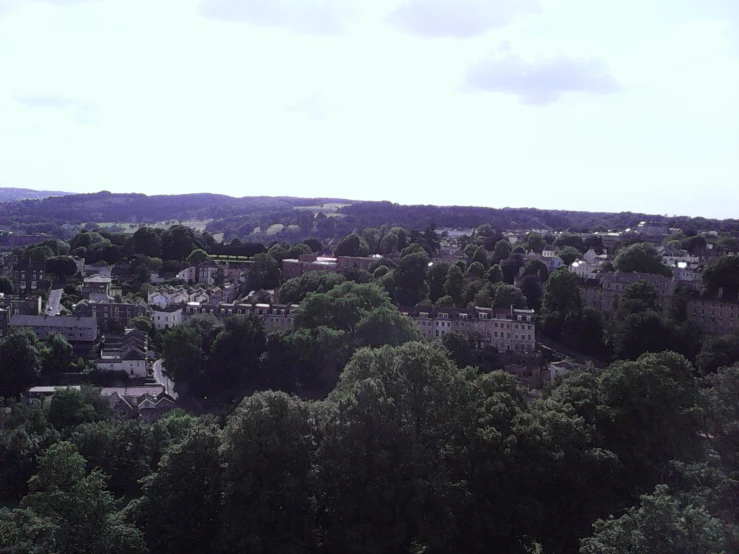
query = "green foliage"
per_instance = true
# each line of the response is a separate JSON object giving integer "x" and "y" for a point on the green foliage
{"x": 293, "y": 291}
{"x": 197, "y": 256}
{"x": 409, "y": 277}
{"x": 70, "y": 407}
{"x": 57, "y": 355}
{"x": 435, "y": 278}
{"x": 352, "y": 245}
{"x": 662, "y": 524}
{"x": 264, "y": 273}
{"x": 718, "y": 352}
{"x": 722, "y": 274}
{"x": 569, "y": 254}
{"x": 508, "y": 296}
{"x": 20, "y": 360}
{"x": 188, "y": 476}
{"x": 454, "y": 285}
{"x": 69, "y": 511}
{"x": 6, "y": 285}
{"x": 641, "y": 257}
{"x": 267, "y": 453}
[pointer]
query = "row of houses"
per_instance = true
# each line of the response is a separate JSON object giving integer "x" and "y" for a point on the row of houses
{"x": 148, "y": 403}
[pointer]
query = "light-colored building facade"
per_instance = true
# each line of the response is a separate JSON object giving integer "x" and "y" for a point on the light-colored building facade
{"x": 508, "y": 330}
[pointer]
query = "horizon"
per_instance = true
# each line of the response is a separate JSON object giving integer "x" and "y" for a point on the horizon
{"x": 355, "y": 200}
{"x": 513, "y": 103}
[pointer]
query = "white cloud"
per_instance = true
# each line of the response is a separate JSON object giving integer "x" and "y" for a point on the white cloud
{"x": 458, "y": 18}
{"x": 310, "y": 17}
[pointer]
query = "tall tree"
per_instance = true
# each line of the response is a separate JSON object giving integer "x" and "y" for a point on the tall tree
{"x": 20, "y": 360}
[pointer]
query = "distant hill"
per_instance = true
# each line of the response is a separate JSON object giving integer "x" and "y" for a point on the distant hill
{"x": 14, "y": 194}
{"x": 334, "y": 217}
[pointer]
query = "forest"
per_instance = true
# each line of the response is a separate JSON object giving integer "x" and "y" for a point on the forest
{"x": 238, "y": 217}
{"x": 409, "y": 453}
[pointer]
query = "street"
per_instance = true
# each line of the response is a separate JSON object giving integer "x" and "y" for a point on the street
{"x": 162, "y": 379}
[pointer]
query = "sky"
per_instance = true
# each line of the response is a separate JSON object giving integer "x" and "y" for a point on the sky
{"x": 562, "y": 104}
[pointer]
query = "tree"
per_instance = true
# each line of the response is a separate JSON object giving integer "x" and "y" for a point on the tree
{"x": 40, "y": 254}
{"x": 530, "y": 286}
{"x": 69, "y": 408}
{"x": 57, "y": 355}
{"x": 722, "y": 274}
{"x": 537, "y": 268}
{"x": 189, "y": 474}
{"x": 75, "y": 513}
{"x": 146, "y": 242}
{"x": 314, "y": 244}
{"x": 476, "y": 270}
{"x": 639, "y": 297}
{"x": 494, "y": 275}
{"x": 234, "y": 356}
{"x": 574, "y": 241}
{"x": 410, "y": 278}
{"x": 352, "y": 245}
{"x": 641, "y": 257}
{"x": 6, "y": 286}
{"x": 501, "y": 251}
{"x": 177, "y": 242}
{"x": 389, "y": 244}
{"x": 510, "y": 268}
{"x": 535, "y": 242}
{"x": 662, "y": 524}
{"x": 718, "y": 352}
{"x": 454, "y": 284}
{"x": 20, "y": 360}
{"x": 642, "y": 332}
{"x": 569, "y": 254}
{"x": 508, "y": 296}
{"x": 197, "y": 256}
{"x": 654, "y": 396}
{"x": 183, "y": 356}
{"x": 264, "y": 273}
{"x": 481, "y": 256}
{"x": 61, "y": 268}
{"x": 267, "y": 454}
{"x": 386, "y": 325}
{"x": 294, "y": 290}
{"x": 436, "y": 277}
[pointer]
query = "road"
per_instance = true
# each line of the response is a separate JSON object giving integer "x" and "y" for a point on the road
{"x": 162, "y": 379}
{"x": 52, "y": 305}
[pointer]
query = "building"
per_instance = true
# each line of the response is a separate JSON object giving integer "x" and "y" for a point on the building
{"x": 129, "y": 353}
{"x": 148, "y": 403}
{"x": 204, "y": 272}
{"x": 653, "y": 228}
{"x": 106, "y": 313}
{"x": 506, "y": 329}
{"x": 76, "y": 329}
{"x": 166, "y": 318}
{"x": 275, "y": 317}
{"x": 98, "y": 268}
{"x": 714, "y": 316}
{"x": 29, "y": 277}
{"x": 605, "y": 293}
{"x": 96, "y": 287}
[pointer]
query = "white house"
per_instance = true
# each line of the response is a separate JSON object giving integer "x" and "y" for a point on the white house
{"x": 133, "y": 362}
{"x": 167, "y": 318}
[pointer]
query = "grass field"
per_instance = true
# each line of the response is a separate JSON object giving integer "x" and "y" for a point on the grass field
{"x": 196, "y": 224}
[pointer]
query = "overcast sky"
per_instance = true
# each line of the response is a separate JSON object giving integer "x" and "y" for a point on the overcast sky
{"x": 575, "y": 104}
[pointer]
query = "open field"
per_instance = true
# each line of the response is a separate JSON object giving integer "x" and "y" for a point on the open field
{"x": 196, "y": 224}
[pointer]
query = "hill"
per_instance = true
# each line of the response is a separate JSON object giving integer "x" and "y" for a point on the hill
{"x": 9, "y": 194}
{"x": 255, "y": 216}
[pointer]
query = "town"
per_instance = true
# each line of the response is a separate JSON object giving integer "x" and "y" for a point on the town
{"x": 484, "y": 286}
{"x": 166, "y": 365}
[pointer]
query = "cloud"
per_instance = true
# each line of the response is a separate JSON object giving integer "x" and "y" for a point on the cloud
{"x": 541, "y": 81}
{"x": 80, "y": 111}
{"x": 308, "y": 17}
{"x": 458, "y": 18}
{"x": 314, "y": 106}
